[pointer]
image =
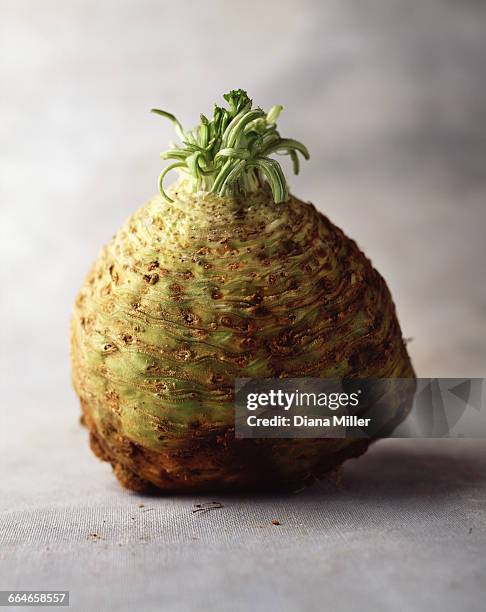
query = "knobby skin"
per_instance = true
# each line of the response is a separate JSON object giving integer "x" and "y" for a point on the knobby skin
{"x": 195, "y": 292}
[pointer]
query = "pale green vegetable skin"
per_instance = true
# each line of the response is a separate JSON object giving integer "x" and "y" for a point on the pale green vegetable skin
{"x": 198, "y": 289}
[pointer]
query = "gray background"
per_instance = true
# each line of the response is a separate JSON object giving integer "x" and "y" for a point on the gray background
{"x": 390, "y": 97}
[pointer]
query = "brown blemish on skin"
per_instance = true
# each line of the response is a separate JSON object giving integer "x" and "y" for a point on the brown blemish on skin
{"x": 189, "y": 317}
{"x": 151, "y": 279}
{"x": 175, "y": 289}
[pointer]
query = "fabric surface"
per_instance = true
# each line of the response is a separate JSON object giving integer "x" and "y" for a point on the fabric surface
{"x": 405, "y": 529}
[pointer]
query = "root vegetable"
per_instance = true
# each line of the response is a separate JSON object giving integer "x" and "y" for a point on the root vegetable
{"x": 223, "y": 276}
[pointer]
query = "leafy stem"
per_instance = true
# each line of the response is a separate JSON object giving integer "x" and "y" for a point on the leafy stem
{"x": 229, "y": 154}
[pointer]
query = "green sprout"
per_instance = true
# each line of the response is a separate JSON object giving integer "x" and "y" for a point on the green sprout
{"x": 229, "y": 155}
